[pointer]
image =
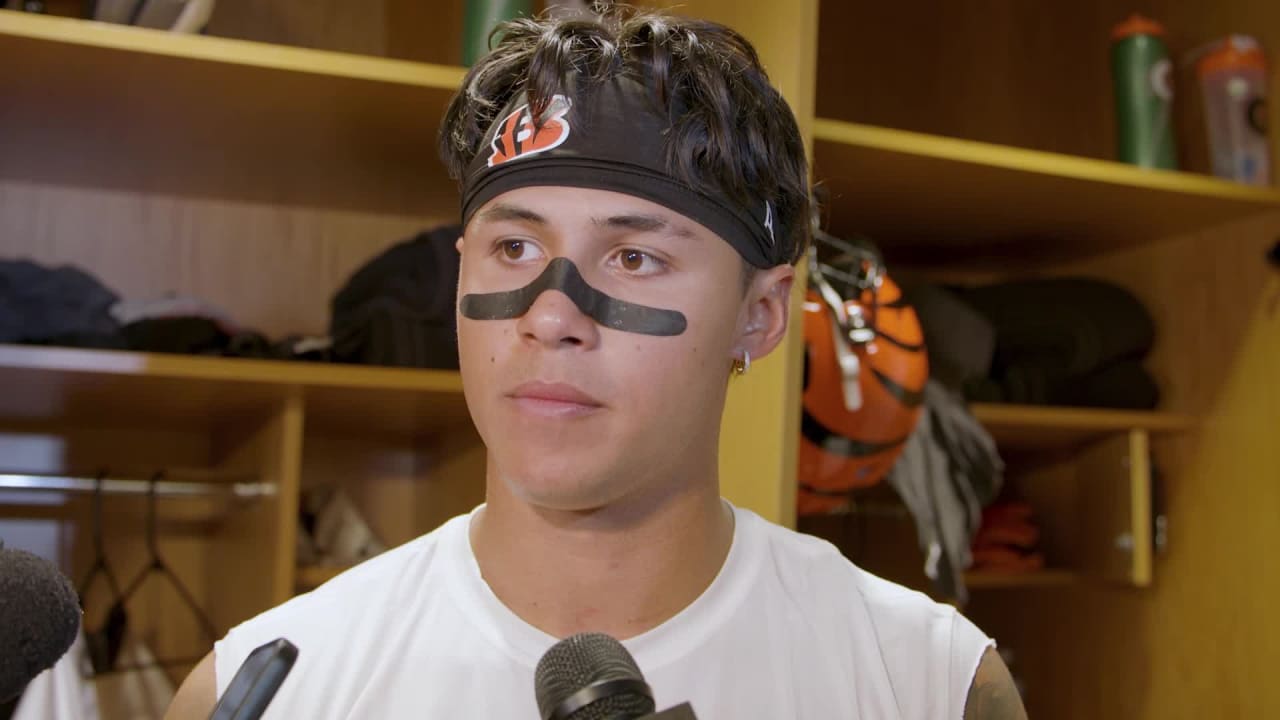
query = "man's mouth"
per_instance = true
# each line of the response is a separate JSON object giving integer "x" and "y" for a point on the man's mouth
{"x": 553, "y": 399}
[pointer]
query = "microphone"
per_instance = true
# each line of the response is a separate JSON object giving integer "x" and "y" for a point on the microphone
{"x": 591, "y": 676}
{"x": 39, "y": 619}
{"x": 256, "y": 682}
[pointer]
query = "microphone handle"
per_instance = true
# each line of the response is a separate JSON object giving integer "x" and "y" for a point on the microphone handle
{"x": 9, "y": 707}
{"x": 256, "y": 682}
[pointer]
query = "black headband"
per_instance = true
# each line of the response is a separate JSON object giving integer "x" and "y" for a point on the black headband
{"x": 610, "y": 138}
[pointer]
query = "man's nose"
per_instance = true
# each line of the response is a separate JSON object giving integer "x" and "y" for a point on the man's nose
{"x": 553, "y": 320}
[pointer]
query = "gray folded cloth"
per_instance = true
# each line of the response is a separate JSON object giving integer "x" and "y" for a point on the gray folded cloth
{"x": 1063, "y": 327}
{"x": 39, "y": 303}
{"x": 948, "y": 471}
{"x": 960, "y": 340}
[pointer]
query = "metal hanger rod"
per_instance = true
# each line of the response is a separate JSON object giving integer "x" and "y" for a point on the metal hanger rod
{"x": 131, "y": 486}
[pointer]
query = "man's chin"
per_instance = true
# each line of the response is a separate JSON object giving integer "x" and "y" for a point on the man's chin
{"x": 561, "y": 489}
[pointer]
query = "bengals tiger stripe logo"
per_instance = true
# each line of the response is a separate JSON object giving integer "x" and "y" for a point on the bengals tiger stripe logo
{"x": 518, "y": 137}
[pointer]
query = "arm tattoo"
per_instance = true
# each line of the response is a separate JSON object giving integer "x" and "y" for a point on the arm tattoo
{"x": 993, "y": 696}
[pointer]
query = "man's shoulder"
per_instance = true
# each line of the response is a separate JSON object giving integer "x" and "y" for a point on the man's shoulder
{"x": 407, "y": 562}
{"x": 821, "y": 582}
{"x": 413, "y": 557}
{"x": 817, "y": 566}
{"x": 354, "y": 602}
{"x": 928, "y": 650}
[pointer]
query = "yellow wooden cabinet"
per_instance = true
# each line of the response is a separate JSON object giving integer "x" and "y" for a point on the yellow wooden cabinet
{"x": 260, "y": 165}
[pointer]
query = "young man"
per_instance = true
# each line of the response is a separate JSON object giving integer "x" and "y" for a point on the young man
{"x": 634, "y": 199}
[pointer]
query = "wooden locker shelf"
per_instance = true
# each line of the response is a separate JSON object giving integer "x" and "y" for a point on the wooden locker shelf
{"x": 929, "y": 197}
{"x": 70, "y": 385}
{"x": 979, "y": 580}
{"x": 123, "y": 108}
{"x": 1031, "y": 427}
{"x": 51, "y": 383}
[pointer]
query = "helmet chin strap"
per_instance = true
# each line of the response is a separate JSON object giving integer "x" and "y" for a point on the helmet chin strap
{"x": 850, "y": 367}
{"x": 847, "y": 328}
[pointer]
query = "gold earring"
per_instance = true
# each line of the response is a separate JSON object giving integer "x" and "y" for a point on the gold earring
{"x": 743, "y": 364}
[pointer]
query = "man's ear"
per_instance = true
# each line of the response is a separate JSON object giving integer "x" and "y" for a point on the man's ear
{"x": 458, "y": 245}
{"x": 768, "y": 304}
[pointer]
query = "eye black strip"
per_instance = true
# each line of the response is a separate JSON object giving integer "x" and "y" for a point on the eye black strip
{"x": 561, "y": 274}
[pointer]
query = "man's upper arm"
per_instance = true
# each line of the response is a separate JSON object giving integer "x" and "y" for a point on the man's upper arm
{"x": 993, "y": 696}
{"x": 198, "y": 694}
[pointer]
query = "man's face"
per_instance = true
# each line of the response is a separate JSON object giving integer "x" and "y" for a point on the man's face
{"x": 577, "y": 415}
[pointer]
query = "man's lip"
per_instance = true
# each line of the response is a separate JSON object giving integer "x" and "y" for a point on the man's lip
{"x": 554, "y": 392}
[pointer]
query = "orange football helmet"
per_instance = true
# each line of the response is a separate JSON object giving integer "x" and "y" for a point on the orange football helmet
{"x": 865, "y": 371}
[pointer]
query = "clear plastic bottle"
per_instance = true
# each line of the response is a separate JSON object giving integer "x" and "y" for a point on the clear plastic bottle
{"x": 1233, "y": 83}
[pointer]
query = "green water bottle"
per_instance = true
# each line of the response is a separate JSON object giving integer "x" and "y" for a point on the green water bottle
{"x": 482, "y": 16}
{"x": 1142, "y": 75}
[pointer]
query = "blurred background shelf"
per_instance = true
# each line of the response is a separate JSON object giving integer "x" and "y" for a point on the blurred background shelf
{"x": 980, "y": 580}
{"x": 926, "y": 196}
{"x": 145, "y": 389}
{"x": 216, "y": 117}
{"x": 310, "y": 577}
{"x": 53, "y": 383}
{"x": 1030, "y": 427}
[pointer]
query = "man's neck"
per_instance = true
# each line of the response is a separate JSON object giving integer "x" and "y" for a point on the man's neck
{"x": 612, "y": 571}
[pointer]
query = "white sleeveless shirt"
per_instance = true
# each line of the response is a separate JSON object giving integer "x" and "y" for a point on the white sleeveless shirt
{"x": 788, "y": 629}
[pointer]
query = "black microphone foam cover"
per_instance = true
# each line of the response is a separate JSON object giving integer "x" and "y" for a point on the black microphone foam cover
{"x": 587, "y": 659}
{"x": 39, "y": 618}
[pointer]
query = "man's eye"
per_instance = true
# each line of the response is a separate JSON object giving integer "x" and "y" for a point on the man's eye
{"x": 518, "y": 250}
{"x": 632, "y": 260}
{"x": 513, "y": 249}
{"x": 639, "y": 262}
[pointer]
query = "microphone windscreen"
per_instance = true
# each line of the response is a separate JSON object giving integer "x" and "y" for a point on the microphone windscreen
{"x": 39, "y": 618}
{"x": 583, "y": 660}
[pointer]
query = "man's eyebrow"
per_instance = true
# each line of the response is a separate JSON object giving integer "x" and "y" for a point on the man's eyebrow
{"x": 640, "y": 222}
{"x": 504, "y": 212}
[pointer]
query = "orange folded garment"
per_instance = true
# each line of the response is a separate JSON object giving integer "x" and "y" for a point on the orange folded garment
{"x": 1022, "y": 535}
{"x": 1005, "y": 512}
{"x": 1000, "y": 559}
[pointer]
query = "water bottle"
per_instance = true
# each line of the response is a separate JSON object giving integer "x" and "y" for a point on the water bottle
{"x": 1142, "y": 76}
{"x": 1233, "y": 82}
{"x": 482, "y": 16}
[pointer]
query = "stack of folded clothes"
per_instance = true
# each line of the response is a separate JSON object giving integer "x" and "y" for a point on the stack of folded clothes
{"x": 1065, "y": 341}
{"x": 1008, "y": 540}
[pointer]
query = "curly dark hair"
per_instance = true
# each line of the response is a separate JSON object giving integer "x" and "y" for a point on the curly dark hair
{"x": 730, "y": 129}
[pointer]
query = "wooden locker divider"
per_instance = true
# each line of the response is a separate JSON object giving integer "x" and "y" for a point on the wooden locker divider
{"x": 1055, "y": 498}
{"x": 760, "y": 433}
{"x": 1093, "y": 508}
{"x": 251, "y": 556}
{"x": 1114, "y": 481}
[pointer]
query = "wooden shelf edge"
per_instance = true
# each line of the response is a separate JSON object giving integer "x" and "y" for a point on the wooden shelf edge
{"x": 245, "y": 370}
{"x": 1040, "y": 162}
{"x": 980, "y": 580}
{"x": 995, "y": 416}
{"x": 111, "y": 36}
